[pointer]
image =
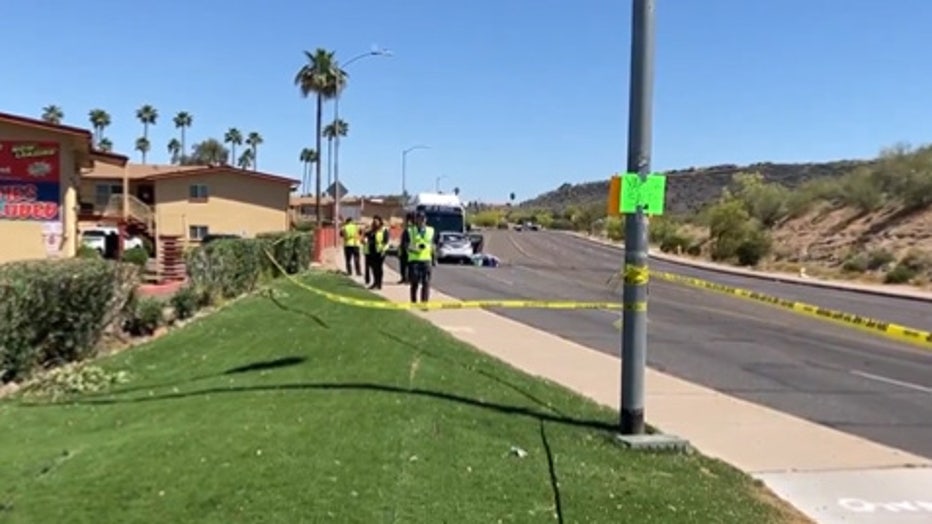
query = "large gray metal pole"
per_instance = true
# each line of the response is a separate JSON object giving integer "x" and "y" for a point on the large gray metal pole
{"x": 336, "y": 159}
{"x": 634, "y": 328}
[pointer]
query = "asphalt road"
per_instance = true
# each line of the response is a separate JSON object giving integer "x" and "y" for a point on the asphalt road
{"x": 833, "y": 375}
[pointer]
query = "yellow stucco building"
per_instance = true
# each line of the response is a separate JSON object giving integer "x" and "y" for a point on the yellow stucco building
{"x": 40, "y": 166}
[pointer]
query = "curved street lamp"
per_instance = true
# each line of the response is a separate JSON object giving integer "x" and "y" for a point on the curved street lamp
{"x": 404, "y": 168}
{"x": 336, "y": 139}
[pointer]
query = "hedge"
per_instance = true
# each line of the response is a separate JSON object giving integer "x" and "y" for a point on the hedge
{"x": 55, "y": 311}
{"x": 230, "y": 267}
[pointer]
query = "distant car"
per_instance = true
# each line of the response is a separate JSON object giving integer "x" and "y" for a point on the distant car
{"x": 532, "y": 226}
{"x": 96, "y": 238}
{"x": 454, "y": 246}
{"x": 519, "y": 227}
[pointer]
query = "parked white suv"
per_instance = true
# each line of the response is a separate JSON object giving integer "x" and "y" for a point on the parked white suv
{"x": 96, "y": 238}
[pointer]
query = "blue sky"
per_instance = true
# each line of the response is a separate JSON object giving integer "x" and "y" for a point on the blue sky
{"x": 511, "y": 95}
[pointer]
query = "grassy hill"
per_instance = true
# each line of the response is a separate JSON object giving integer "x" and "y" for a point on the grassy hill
{"x": 690, "y": 189}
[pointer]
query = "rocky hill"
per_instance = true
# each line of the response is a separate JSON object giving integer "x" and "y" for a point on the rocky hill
{"x": 689, "y": 189}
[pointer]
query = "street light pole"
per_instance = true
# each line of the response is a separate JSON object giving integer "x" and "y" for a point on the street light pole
{"x": 404, "y": 168}
{"x": 437, "y": 182}
{"x": 336, "y": 139}
{"x": 634, "y": 326}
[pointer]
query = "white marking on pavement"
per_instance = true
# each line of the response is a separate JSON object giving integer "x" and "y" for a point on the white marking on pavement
{"x": 893, "y": 381}
{"x": 458, "y": 329}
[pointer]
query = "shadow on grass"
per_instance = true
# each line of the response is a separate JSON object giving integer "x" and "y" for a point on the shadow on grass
{"x": 551, "y": 467}
{"x": 263, "y": 365}
{"x": 317, "y": 320}
{"x": 346, "y": 386}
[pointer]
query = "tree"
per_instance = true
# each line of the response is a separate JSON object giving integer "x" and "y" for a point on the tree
{"x": 511, "y": 198}
{"x": 456, "y": 191}
{"x": 233, "y": 137}
{"x": 245, "y": 159}
{"x": 100, "y": 120}
{"x": 253, "y": 141}
{"x": 174, "y": 149}
{"x": 320, "y": 76}
{"x": 52, "y": 114}
{"x": 183, "y": 121}
{"x": 307, "y": 157}
{"x": 143, "y": 145}
{"x": 105, "y": 145}
{"x": 148, "y": 115}
{"x": 336, "y": 128}
{"x": 209, "y": 152}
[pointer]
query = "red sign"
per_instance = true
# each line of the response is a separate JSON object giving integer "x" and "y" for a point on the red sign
{"x": 30, "y": 161}
{"x": 29, "y": 201}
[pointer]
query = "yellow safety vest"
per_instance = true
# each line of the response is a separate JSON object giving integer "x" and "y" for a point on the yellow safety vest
{"x": 416, "y": 239}
{"x": 350, "y": 235}
{"x": 381, "y": 240}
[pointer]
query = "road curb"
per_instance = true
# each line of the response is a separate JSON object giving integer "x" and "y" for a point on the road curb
{"x": 773, "y": 277}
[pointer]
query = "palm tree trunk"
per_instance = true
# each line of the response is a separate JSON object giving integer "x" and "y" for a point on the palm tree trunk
{"x": 183, "y": 148}
{"x": 329, "y": 161}
{"x": 320, "y": 114}
{"x": 255, "y": 158}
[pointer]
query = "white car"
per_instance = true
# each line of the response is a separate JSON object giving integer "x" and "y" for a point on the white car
{"x": 454, "y": 246}
{"x": 96, "y": 238}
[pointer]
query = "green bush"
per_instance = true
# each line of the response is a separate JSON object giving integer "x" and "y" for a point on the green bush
{"x": 676, "y": 243}
{"x": 72, "y": 379}
{"x": 615, "y": 228}
{"x": 561, "y": 224}
{"x": 291, "y": 250}
{"x": 486, "y": 218}
{"x": 878, "y": 258}
{"x": 55, "y": 311}
{"x": 304, "y": 226}
{"x": 754, "y": 247}
{"x": 900, "y": 274}
{"x": 855, "y": 264}
{"x": 136, "y": 256}
{"x": 185, "y": 302}
{"x": 88, "y": 252}
{"x": 502, "y": 225}
{"x": 146, "y": 315}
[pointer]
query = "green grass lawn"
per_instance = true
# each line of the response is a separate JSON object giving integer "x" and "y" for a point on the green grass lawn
{"x": 286, "y": 408}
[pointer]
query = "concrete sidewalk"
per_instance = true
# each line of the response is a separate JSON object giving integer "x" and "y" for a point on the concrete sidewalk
{"x": 786, "y": 452}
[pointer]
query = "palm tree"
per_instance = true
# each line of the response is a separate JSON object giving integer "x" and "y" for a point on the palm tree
{"x": 234, "y": 138}
{"x": 174, "y": 149}
{"x": 336, "y": 128}
{"x": 100, "y": 120}
{"x": 52, "y": 114}
{"x": 148, "y": 115}
{"x": 253, "y": 140}
{"x": 183, "y": 121}
{"x": 245, "y": 160}
{"x": 511, "y": 197}
{"x": 320, "y": 76}
{"x": 456, "y": 191}
{"x": 307, "y": 157}
{"x": 105, "y": 145}
{"x": 143, "y": 145}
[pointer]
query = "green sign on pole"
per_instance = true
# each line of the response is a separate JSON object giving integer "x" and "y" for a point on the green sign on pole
{"x": 648, "y": 194}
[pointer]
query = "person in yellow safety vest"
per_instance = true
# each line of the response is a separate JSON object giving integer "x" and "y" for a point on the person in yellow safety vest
{"x": 350, "y": 234}
{"x": 420, "y": 257}
{"x": 376, "y": 246}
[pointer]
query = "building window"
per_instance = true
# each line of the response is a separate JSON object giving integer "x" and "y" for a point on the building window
{"x": 197, "y": 232}
{"x": 197, "y": 193}
{"x": 103, "y": 192}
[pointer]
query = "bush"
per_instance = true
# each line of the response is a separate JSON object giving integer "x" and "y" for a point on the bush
{"x": 71, "y": 379}
{"x": 228, "y": 268}
{"x": 136, "y": 256}
{"x": 615, "y": 228}
{"x": 676, "y": 243}
{"x": 487, "y": 218}
{"x": 900, "y": 274}
{"x": 88, "y": 252}
{"x": 855, "y": 264}
{"x": 55, "y": 311}
{"x": 561, "y": 224}
{"x": 185, "y": 302}
{"x": 502, "y": 225}
{"x": 877, "y": 259}
{"x": 304, "y": 226}
{"x": 146, "y": 315}
{"x": 754, "y": 247}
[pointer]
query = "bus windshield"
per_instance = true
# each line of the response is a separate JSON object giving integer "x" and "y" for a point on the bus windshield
{"x": 446, "y": 221}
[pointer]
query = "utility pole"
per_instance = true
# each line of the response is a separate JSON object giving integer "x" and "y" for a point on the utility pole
{"x": 634, "y": 327}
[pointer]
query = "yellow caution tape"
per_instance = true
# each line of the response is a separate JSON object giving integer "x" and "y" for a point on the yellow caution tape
{"x": 897, "y": 332}
{"x": 636, "y": 275}
{"x": 466, "y": 304}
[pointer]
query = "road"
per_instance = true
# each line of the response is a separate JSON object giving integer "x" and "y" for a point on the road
{"x": 852, "y": 381}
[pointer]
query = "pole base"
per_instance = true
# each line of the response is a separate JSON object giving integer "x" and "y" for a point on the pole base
{"x": 654, "y": 442}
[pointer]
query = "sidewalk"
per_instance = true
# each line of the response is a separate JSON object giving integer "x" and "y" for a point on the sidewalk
{"x": 786, "y": 452}
{"x": 890, "y": 290}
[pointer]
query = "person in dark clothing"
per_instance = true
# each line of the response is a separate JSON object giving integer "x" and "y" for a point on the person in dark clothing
{"x": 403, "y": 248}
{"x": 376, "y": 247}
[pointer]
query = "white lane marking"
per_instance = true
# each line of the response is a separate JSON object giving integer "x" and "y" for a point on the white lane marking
{"x": 893, "y": 381}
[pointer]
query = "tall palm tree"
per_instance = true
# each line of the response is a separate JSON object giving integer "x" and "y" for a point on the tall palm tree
{"x": 307, "y": 157}
{"x": 234, "y": 138}
{"x": 245, "y": 160}
{"x": 253, "y": 140}
{"x": 52, "y": 114}
{"x": 183, "y": 121}
{"x": 143, "y": 146}
{"x": 105, "y": 145}
{"x": 175, "y": 150}
{"x": 148, "y": 115}
{"x": 336, "y": 128}
{"x": 100, "y": 120}
{"x": 320, "y": 76}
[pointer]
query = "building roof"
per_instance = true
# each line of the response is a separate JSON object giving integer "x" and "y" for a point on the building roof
{"x": 83, "y": 136}
{"x": 166, "y": 171}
